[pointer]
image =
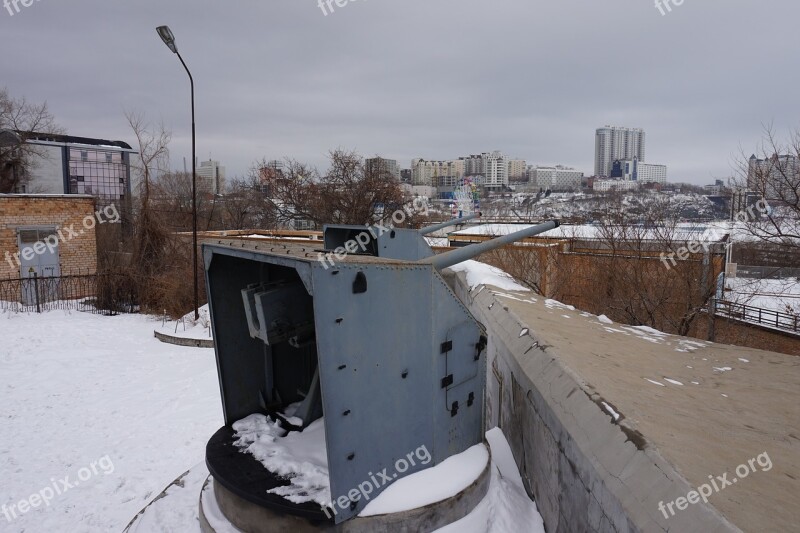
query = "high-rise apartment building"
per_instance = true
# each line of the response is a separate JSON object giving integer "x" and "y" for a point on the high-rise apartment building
{"x": 614, "y": 143}
{"x": 774, "y": 177}
{"x": 430, "y": 173}
{"x": 493, "y": 166}
{"x": 495, "y": 170}
{"x": 384, "y": 166}
{"x": 517, "y": 170}
{"x": 211, "y": 177}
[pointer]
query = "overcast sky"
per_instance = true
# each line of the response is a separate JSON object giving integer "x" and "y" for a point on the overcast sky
{"x": 435, "y": 79}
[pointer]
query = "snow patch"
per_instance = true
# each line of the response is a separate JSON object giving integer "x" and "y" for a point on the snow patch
{"x": 555, "y": 304}
{"x": 483, "y": 274}
{"x": 299, "y": 456}
{"x": 611, "y": 411}
{"x": 431, "y": 485}
{"x": 187, "y": 327}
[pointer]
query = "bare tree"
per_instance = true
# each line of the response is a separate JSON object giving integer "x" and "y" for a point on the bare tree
{"x": 245, "y": 206}
{"x": 27, "y": 120}
{"x": 348, "y": 193}
{"x": 774, "y": 177}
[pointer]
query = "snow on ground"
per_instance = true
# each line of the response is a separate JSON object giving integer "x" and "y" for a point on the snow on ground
{"x": 177, "y": 511}
{"x": 483, "y": 274}
{"x": 782, "y": 295}
{"x": 83, "y": 391}
{"x": 187, "y": 327}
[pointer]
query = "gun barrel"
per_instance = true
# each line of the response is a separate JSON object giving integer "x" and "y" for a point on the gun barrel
{"x": 437, "y": 227}
{"x": 460, "y": 255}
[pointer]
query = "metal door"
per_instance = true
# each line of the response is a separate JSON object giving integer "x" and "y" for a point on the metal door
{"x": 41, "y": 260}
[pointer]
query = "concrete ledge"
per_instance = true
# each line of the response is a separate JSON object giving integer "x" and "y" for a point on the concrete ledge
{"x": 586, "y": 470}
{"x": 181, "y": 341}
{"x": 252, "y": 518}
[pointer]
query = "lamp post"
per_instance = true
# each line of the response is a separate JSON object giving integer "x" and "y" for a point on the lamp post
{"x": 169, "y": 39}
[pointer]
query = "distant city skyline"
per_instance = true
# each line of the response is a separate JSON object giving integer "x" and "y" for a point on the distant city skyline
{"x": 264, "y": 91}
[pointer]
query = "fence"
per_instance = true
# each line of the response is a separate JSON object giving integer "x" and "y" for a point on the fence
{"x": 757, "y": 315}
{"x": 766, "y": 272}
{"x": 97, "y": 293}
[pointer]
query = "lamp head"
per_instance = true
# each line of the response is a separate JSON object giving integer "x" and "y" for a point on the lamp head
{"x": 169, "y": 39}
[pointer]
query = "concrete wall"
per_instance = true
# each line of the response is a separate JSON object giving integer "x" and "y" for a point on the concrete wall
{"x": 586, "y": 472}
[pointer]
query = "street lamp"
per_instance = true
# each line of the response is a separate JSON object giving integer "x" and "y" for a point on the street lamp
{"x": 169, "y": 39}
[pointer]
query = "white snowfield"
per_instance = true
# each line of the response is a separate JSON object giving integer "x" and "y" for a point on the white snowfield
{"x": 782, "y": 295}
{"x": 84, "y": 393}
{"x": 77, "y": 387}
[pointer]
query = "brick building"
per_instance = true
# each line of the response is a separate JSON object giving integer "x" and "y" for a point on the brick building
{"x": 49, "y": 235}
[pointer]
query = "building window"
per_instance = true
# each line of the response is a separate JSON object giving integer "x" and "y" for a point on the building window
{"x": 102, "y": 173}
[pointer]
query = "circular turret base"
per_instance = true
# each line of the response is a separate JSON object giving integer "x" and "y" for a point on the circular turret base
{"x": 222, "y": 511}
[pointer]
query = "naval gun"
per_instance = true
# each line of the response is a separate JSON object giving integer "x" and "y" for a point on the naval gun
{"x": 365, "y": 333}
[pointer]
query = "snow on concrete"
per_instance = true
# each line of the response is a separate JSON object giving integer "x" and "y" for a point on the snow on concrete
{"x": 431, "y": 485}
{"x": 78, "y": 387}
{"x": 610, "y": 410}
{"x": 483, "y": 274}
{"x": 555, "y": 304}
{"x": 187, "y": 327}
{"x": 506, "y": 507}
